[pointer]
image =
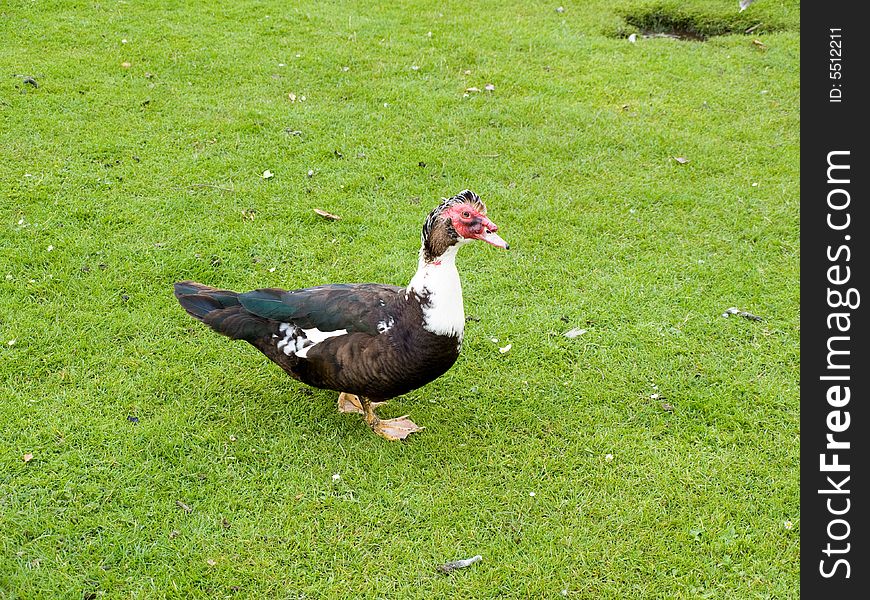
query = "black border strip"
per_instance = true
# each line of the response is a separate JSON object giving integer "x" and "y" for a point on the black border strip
{"x": 834, "y": 333}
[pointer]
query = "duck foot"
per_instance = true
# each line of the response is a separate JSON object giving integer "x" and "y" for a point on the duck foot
{"x": 390, "y": 429}
{"x": 350, "y": 403}
{"x": 395, "y": 429}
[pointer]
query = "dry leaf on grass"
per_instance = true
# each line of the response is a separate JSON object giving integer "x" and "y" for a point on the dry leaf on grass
{"x": 459, "y": 564}
{"x": 681, "y": 159}
{"x": 183, "y": 506}
{"x": 573, "y": 333}
{"x": 741, "y": 313}
{"x": 28, "y": 457}
{"x": 326, "y": 215}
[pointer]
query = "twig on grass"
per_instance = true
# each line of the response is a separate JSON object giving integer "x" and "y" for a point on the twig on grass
{"x": 191, "y": 186}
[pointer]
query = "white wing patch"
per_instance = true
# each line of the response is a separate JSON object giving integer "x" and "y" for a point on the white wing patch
{"x": 385, "y": 325}
{"x": 299, "y": 341}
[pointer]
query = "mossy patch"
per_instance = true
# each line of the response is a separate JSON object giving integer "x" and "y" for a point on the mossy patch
{"x": 696, "y": 22}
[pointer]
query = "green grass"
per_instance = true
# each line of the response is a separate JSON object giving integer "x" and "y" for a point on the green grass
{"x": 117, "y": 181}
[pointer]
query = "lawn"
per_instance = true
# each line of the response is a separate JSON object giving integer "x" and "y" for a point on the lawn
{"x": 646, "y": 184}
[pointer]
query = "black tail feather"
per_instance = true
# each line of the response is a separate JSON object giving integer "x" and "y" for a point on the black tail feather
{"x": 220, "y": 310}
{"x": 199, "y": 300}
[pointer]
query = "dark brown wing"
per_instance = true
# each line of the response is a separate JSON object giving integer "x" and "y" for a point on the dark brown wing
{"x": 355, "y": 307}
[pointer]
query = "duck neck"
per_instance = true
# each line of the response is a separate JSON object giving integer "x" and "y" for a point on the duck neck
{"x": 436, "y": 284}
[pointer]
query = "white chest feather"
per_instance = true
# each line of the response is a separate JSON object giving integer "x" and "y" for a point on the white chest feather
{"x": 438, "y": 283}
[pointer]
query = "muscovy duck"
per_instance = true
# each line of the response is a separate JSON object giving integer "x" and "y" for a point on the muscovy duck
{"x": 370, "y": 342}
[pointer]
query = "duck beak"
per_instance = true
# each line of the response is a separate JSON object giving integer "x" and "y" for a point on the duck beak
{"x": 490, "y": 236}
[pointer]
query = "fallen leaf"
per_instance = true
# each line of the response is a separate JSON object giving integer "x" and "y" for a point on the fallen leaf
{"x": 667, "y": 406}
{"x": 292, "y": 97}
{"x": 505, "y": 349}
{"x": 174, "y": 534}
{"x": 472, "y": 89}
{"x": 326, "y": 215}
{"x": 183, "y": 506}
{"x": 211, "y": 562}
{"x": 608, "y": 457}
{"x": 573, "y": 333}
{"x": 126, "y": 65}
{"x": 741, "y": 313}
{"x": 681, "y": 159}
{"x": 267, "y": 174}
{"x": 489, "y": 87}
{"x": 760, "y": 44}
{"x": 28, "y": 457}
{"x": 459, "y": 564}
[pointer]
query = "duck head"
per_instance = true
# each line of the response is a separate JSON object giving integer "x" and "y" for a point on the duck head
{"x": 456, "y": 221}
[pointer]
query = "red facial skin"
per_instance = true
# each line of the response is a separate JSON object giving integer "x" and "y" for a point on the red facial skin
{"x": 473, "y": 224}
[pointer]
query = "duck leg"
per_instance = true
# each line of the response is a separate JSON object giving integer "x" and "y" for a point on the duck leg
{"x": 350, "y": 403}
{"x": 391, "y": 429}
